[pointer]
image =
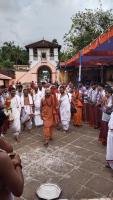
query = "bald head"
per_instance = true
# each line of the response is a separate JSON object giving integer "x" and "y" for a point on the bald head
{"x": 47, "y": 92}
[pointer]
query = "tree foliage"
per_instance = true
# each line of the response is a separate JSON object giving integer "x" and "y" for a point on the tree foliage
{"x": 65, "y": 55}
{"x": 10, "y": 55}
{"x": 55, "y": 41}
{"x": 86, "y": 26}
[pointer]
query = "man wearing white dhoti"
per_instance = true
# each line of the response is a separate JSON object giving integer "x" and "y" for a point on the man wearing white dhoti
{"x": 20, "y": 91}
{"x": 15, "y": 124}
{"x": 69, "y": 93}
{"x": 37, "y": 102}
{"x": 65, "y": 109}
{"x": 27, "y": 111}
{"x": 41, "y": 89}
{"x": 109, "y": 152}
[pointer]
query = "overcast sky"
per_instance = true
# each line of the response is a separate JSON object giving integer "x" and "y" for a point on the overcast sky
{"x": 27, "y": 21}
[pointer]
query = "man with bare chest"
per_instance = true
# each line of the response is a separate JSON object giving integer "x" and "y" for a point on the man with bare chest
{"x": 11, "y": 177}
{"x": 27, "y": 104}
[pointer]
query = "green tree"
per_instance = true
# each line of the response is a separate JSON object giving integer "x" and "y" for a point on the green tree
{"x": 24, "y": 57}
{"x": 16, "y": 53}
{"x": 55, "y": 41}
{"x": 65, "y": 55}
{"x": 7, "y": 50}
{"x": 7, "y": 64}
{"x": 10, "y": 55}
{"x": 87, "y": 26}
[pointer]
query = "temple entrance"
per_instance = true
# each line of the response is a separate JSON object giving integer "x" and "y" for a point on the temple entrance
{"x": 44, "y": 74}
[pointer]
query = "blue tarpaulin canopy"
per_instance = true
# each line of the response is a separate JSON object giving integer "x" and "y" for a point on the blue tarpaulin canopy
{"x": 97, "y": 53}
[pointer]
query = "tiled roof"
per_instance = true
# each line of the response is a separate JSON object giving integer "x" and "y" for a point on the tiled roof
{"x": 43, "y": 44}
{"x": 4, "y": 77}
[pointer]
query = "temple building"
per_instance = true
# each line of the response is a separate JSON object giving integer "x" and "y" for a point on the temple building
{"x": 43, "y": 61}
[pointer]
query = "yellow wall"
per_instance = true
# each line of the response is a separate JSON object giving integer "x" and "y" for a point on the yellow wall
{"x": 63, "y": 77}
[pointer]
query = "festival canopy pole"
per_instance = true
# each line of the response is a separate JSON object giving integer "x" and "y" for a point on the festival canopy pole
{"x": 80, "y": 66}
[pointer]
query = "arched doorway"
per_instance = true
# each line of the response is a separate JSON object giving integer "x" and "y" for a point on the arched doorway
{"x": 44, "y": 74}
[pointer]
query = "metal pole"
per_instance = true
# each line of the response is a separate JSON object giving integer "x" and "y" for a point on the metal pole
{"x": 80, "y": 66}
{"x": 102, "y": 74}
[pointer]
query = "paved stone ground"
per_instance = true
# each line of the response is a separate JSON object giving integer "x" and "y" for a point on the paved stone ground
{"x": 75, "y": 161}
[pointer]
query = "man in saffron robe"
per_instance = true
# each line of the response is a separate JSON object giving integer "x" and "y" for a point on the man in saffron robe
{"x": 47, "y": 115}
{"x": 77, "y": 102}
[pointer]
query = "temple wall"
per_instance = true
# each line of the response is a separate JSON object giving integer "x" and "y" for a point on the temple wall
{"x": 31, "y": 75}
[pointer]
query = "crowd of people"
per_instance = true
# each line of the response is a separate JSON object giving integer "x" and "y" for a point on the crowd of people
{"x": 52, "y": 106}
{"x": 56, "y": 106}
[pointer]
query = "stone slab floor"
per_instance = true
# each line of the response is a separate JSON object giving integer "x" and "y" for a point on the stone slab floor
{"x": 75, "y": 161}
